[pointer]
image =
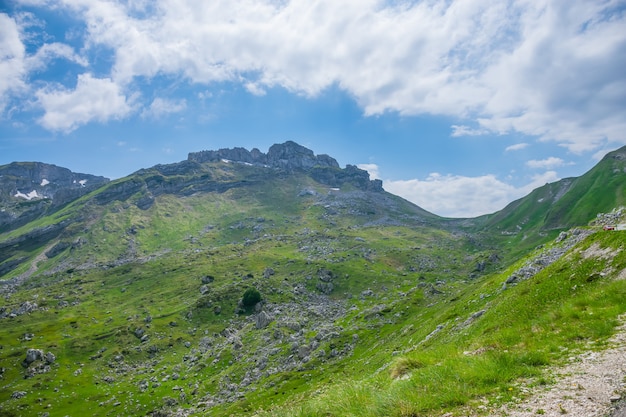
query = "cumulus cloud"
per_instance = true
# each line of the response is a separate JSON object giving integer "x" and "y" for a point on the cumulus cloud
{"x": 548, "y": 163}
{"x": 93, "y": 99}
{"x": 51, "y": 51}
{"x": 549, "y": 69}
{"x": 460, "y": 196}
{"x": 372, "y": 169}
{"x": 161, "y": 107}
{"x": 12, "y": 65}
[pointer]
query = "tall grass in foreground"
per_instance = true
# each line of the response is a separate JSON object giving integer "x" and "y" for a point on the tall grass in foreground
{"x": 573, "y": 304}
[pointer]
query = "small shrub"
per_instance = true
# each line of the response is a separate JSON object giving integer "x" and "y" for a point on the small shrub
{"x": 250, "y": 297}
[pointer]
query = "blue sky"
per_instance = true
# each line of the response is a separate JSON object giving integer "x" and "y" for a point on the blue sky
{"x": 459, "y": 106}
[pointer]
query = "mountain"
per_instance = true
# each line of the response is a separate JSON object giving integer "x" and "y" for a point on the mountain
{"x": 563, "y": 204}
{"x": 568, "y": 202}
{"x": 141, "y": 296}
{"x": 29, "y": 190}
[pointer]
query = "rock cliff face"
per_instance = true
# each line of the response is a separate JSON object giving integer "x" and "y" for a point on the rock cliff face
{"x": 31, "y": 189}
{"x": 290, "y": 156}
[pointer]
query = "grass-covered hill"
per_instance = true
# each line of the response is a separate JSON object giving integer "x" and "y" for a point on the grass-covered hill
{"x": 142, "y": 297}
{"x": 568, "y": 202}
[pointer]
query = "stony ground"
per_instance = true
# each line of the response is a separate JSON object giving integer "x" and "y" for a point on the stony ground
{"x": 593, "y": 384}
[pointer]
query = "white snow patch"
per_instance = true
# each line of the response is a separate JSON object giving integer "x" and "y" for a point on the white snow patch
{"x": 82, "y": 182}
{"x": 44, "y": 182}
{"x": 29, "y": 196}
{"x": 226, "y": 161}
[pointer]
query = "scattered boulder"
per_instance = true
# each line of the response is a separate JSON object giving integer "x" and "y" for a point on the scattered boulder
{"x": 367, "y": 293}
{"x": 18, "y": 394}
{"x": 32, "y": 355}
{"x": 263, "y": 320}
{"x": 207, "y": 279}
{"x": 325, "y": 275}
{"x": 50, "y": 358}
{"x": 325, "y": 287}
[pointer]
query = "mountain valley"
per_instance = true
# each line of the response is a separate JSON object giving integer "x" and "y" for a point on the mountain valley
{"x": 280, "y": 284}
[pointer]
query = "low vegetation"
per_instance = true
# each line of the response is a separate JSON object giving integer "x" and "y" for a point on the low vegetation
{"x": 290, "y": 298}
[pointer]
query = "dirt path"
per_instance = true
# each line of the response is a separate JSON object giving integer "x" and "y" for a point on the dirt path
{"x": 593, "y": 384}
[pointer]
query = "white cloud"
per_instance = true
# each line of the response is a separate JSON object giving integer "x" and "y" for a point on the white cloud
{"x": 460, "y": 196}
{"x": 161, "y": 107}
{"x": 516, "y": 147}
{"x": 50, "y": 51}
{"x": 548, "y": 163}
{"x": 93, "y": 99}
{"x": 12, "y": 54}
{"x": 372, "y": 169}
{"x": 462, "y": 130}
{"x": 550, "y": 69}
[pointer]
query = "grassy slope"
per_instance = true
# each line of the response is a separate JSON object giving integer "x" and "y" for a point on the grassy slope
{"x": 547, "y": 210}
{"x": 231, "y": 236}
{"x": 567, "y": 307}
{"x": 419, "y": 276}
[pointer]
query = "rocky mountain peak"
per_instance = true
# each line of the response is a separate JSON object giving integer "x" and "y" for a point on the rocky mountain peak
{"x": 288, "y": 156}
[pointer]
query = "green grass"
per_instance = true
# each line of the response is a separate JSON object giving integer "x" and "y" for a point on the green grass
{"x": 525, "y": 329}
{"x": 389, "y": 358}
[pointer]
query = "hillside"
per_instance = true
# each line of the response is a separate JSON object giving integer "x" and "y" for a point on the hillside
{"x": 30, "y": 190}
{"x": 140, "y": 296}
{"x": 558, "y": 206}
{"x": 568, "y": 202}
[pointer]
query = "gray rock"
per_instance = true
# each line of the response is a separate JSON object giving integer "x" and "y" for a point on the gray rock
{"x": 50, "y": 358}
{"x": 33, "y": 355}
{"x": 18, "y": 394}
{"x": 325, "y": 287}
{"x": 263, "y": 320}
{"x": 207, "y": 279}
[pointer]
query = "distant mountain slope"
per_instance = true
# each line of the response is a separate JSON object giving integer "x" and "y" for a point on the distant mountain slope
{"x": 566, "y": 203}
{"x": 289, "y": 181}
{"x": 29, "y": 190}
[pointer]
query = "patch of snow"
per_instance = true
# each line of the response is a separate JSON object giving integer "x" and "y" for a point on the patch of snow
{"x": 335, "y": 189}
{"x": 226, "y": 161}
{"x": 540, "y": 200}
{"x": 29, "y": 196}
{"x": 44, "y": 182}
{"x": 82, "y": 182}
